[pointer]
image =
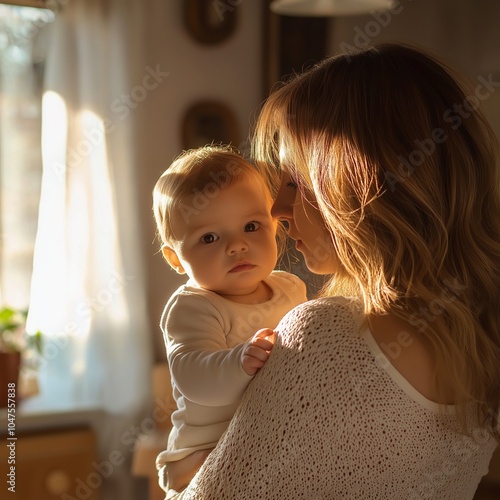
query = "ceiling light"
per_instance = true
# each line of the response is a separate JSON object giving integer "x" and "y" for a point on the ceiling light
{"x": 308, "y": 8}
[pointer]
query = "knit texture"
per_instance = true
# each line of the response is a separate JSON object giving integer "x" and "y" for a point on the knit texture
{"x": 326, "y": 419}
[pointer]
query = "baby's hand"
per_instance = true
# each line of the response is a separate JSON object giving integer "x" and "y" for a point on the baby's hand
{"x": 257, "y": 351}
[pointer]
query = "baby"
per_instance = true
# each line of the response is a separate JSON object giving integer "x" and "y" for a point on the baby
{"x": 212, "y": 211}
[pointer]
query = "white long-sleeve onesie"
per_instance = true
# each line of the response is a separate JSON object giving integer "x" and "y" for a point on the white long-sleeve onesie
{"x": 204, "y": 335}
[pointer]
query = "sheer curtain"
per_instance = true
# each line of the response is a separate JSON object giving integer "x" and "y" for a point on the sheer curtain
{"x": 22, "y": 55}
{"x": 87, "y": 292}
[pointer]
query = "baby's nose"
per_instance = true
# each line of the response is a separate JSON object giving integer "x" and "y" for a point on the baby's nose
{"x": 236, "y": 246}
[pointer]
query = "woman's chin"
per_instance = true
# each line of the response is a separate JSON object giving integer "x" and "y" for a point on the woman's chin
{"x": 316, "y": 267}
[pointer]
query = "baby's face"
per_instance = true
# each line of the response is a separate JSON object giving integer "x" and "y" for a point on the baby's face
{"x": 226, "y": 240}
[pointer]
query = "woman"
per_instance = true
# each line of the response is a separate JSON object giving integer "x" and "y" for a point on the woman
{"x": 387, "y": 387}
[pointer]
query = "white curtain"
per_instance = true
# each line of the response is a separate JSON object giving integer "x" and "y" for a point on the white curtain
{"x": 88, "y": 291}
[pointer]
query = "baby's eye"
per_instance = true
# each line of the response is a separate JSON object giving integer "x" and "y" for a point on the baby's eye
{"x": 209, "y": 238}
{"x": 251, "y": 227}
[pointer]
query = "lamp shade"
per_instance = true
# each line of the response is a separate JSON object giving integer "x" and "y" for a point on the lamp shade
{"x": 325, "y": 8}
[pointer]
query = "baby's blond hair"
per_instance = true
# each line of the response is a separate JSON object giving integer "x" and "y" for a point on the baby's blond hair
{"x": 198, "y": 173}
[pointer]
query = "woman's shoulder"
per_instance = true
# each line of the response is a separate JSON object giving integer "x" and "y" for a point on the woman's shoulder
{"x": 326, "y": 316}
{"x": 329, "y": 306}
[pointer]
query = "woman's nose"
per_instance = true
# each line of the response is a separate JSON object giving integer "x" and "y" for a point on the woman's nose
{"x": 282, "y": 208}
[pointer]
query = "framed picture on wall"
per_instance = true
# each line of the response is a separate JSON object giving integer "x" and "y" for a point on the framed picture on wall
{"x": 210, "y": 23}
{"x": 209, "y": 122}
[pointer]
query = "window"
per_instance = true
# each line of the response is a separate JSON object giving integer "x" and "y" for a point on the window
{"x": 23, "y": 36}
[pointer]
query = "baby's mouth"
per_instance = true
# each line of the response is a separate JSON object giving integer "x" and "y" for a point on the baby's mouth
{"x": 241, "y": 266}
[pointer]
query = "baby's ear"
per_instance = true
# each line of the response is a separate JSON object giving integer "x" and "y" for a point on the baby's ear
{"x": 171, "y": 257}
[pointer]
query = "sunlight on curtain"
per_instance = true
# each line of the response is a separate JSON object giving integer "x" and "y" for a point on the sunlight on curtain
{"x": 50, "y": 248}
{"x": 88, "y": 291}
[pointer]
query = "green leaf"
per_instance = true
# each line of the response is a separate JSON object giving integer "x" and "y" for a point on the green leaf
{"x": 35, "y": 341}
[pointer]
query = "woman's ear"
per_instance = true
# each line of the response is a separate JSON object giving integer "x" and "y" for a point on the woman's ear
{"x": 171, "y": 257}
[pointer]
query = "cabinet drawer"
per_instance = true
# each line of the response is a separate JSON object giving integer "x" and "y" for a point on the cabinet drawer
{"x": 53, "y": 465}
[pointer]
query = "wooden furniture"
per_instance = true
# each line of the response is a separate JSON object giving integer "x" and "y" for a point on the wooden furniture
{"x": 150, "y": 444}
{"x": 52, "y": 465}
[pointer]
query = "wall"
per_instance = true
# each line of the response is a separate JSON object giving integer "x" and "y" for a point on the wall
{"x": 463, "y": 32}
{"x": 228, "y": 72}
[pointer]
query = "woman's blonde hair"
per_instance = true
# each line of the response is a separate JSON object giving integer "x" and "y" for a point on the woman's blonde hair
{"x": 405, "y": 171}
{"x": 199, "y": 174}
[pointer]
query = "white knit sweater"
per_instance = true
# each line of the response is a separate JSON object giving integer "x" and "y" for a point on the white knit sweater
{"x": 328, "y": 417}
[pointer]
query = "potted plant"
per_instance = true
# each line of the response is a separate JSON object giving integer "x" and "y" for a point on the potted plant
{"x": 15, "y": 343}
